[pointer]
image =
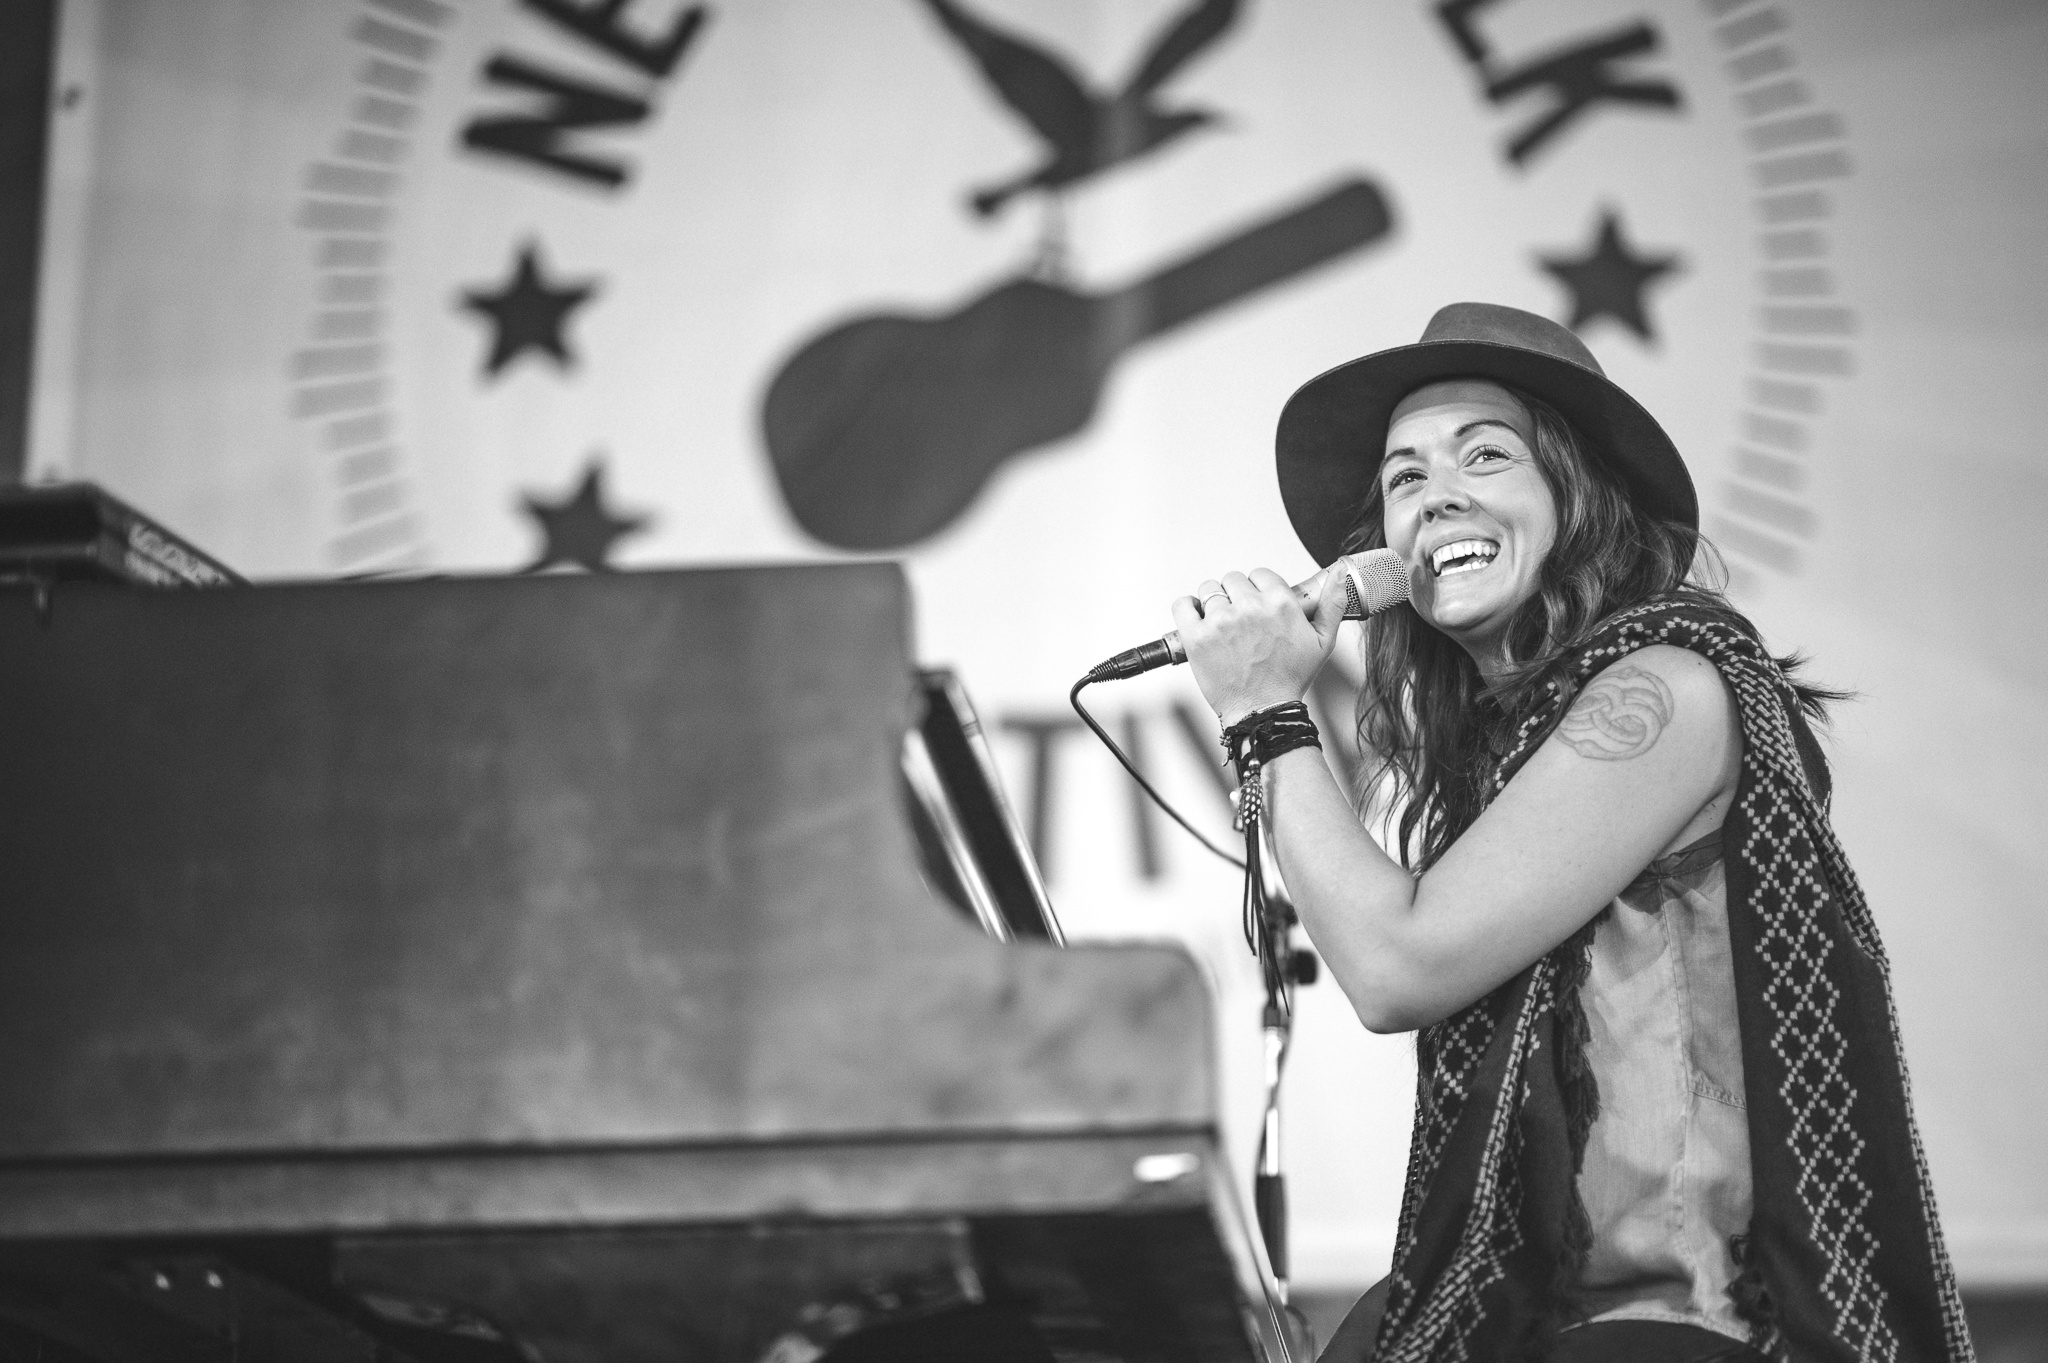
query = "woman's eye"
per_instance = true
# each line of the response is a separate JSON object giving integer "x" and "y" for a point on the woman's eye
{"x": 1400, "y": 476}
{"x": 1490, "y": 452}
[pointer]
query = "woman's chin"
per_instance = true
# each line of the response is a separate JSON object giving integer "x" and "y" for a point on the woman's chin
{"x": 1468, "y": 615}
{"x": 1459, "y": 607}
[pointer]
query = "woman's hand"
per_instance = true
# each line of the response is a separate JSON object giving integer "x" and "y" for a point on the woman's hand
{"x": 1250, "y": 643}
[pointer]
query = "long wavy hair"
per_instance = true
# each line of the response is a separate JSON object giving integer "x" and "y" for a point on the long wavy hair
{"x": 1431, "y": 727}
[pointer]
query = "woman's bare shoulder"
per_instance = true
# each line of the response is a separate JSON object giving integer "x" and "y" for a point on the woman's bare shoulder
{"x": 1633, "y": 703}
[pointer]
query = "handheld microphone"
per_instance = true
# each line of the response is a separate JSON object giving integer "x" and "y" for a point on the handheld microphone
{"x": 1374, "y": 581}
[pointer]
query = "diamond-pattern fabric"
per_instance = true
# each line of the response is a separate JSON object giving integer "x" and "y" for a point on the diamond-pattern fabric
{"x": 1849, "y": 1275}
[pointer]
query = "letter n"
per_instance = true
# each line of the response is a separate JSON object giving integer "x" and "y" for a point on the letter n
{"x": 541, "y": 136}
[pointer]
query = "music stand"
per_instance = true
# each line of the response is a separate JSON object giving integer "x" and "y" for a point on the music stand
{"x": 974, "y": 850}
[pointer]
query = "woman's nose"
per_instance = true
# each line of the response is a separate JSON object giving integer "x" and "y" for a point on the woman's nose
{"x": 1442, "y": 496}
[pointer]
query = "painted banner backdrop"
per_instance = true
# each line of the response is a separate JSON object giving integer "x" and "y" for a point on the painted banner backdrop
{"x": 1014, "y": 289}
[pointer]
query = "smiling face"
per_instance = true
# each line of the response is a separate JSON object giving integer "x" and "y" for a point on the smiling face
{"x": 1466, "y": 507}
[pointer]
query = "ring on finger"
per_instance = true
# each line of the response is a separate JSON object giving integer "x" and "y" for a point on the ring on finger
{"x": 1213, "y": 595}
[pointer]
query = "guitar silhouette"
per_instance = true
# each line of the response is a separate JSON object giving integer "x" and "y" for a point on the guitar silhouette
{"x": 883, "y": 429}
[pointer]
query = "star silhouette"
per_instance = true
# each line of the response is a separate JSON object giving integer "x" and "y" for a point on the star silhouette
{"x": 580, "y": 530}
{"x": 527, "y": 314}
{"x": 1608, "y": 281}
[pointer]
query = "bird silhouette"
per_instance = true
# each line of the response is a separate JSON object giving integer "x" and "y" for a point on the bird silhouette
{"x": 1086, "y": 133}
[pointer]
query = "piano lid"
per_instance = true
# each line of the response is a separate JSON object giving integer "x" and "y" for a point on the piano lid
{"x": 495, "y": 862}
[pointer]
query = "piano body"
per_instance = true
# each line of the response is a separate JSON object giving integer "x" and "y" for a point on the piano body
{"x": 539, "y": 969}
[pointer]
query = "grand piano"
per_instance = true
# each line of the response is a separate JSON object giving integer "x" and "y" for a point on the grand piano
{"x": 541, "y": 970}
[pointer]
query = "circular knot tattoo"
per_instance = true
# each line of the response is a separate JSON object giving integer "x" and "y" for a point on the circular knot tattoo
{"x": 1619, "y": 716}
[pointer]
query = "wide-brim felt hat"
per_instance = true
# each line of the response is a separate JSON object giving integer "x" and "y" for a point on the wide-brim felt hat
{"x": 1333, "y": 431}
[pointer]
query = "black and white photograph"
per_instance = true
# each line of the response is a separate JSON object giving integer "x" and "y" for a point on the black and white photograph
{"x": 1023, "y": 681}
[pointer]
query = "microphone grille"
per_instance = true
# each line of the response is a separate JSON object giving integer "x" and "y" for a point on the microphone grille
{"x": 1376, "y": 580}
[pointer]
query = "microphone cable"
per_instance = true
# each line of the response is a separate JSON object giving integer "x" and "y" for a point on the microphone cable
{"x": 1074, "y": 699}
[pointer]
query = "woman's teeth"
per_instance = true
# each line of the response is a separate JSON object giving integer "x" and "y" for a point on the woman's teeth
{"x": 1463, "y": 556}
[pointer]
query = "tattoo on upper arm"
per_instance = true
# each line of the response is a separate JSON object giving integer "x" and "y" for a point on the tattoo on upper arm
{"x": 1618, "y": 717}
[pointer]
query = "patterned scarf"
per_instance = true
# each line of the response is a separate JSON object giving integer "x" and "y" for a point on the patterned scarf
{"x": 1844, "y": 1259}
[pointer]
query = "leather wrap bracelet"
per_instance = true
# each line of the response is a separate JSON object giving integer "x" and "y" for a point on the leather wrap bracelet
{"x": 1263, "y": 735}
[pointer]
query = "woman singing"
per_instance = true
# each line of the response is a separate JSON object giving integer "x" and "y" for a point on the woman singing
{"x": 1662, "y": 1111}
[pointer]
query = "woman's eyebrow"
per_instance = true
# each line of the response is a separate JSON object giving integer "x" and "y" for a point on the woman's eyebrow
{"x": 1471, "y": 426}
{"x": 1408, "y": 451}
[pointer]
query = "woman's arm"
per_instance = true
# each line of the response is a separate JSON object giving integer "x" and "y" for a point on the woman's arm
{"x": 1649, "y": 747}
{"x": 1649, "y": 750}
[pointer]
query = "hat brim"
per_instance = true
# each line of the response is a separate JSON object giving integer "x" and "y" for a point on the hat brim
{"x": 1333, "y": 431}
